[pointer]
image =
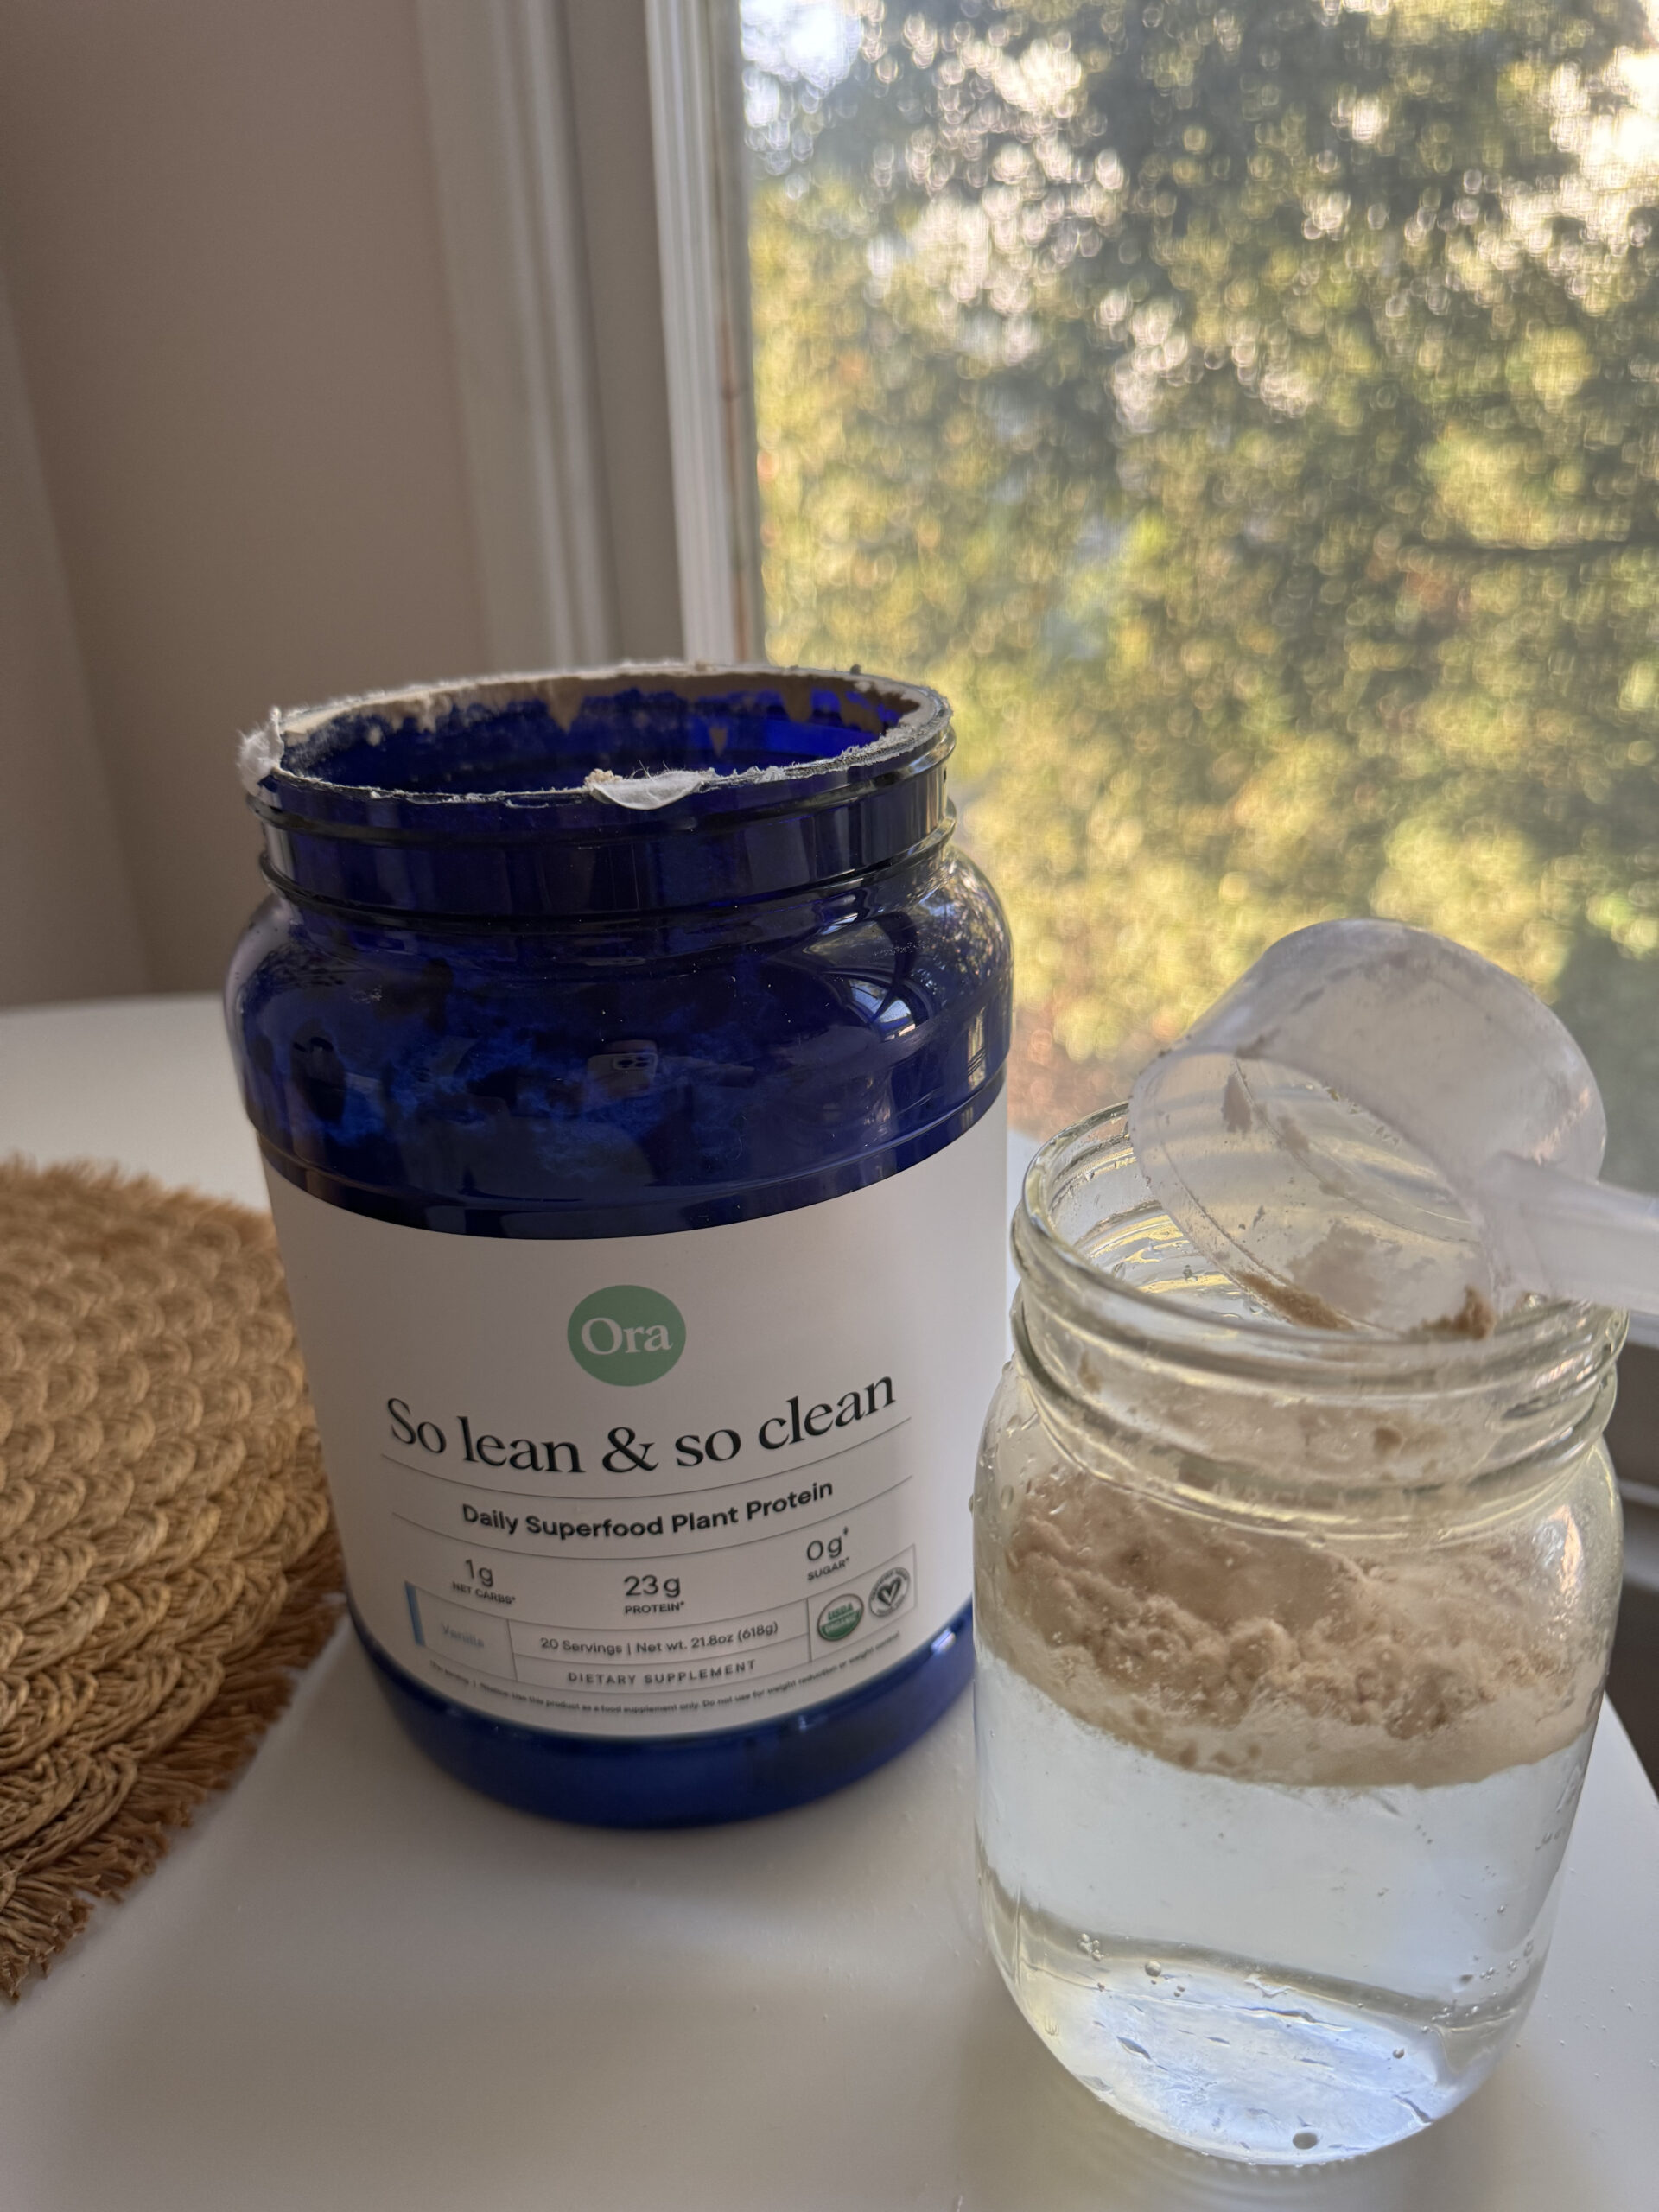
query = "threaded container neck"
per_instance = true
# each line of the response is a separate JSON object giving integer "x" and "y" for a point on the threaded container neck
{"x": 624, "y": 791}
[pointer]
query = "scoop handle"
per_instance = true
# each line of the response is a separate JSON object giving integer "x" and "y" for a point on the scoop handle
{"x": 1573, "y": 1238}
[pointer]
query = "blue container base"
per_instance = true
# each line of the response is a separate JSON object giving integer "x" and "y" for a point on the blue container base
{"x": 686, "y": 1781}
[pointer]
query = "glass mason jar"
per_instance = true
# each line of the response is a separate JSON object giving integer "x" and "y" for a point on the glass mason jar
{"x": 626, "y": 1054}
{"x": 1291, "y": 1649}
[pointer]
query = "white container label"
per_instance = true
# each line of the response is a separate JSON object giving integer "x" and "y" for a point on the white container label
{"x": 659, "y": 1486}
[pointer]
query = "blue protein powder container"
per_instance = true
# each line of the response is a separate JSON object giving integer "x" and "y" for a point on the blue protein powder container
{"x": 626, "y": 1053}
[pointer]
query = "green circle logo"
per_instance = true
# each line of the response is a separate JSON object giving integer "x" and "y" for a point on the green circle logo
{"x": 626, "y": 1334}
{"x": 840, "y": 1617}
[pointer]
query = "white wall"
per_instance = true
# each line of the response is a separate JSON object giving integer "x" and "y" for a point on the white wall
{"x": 68, "y": 929}
{"x": 219, "y": 232}
{"x": 234, "y": 465}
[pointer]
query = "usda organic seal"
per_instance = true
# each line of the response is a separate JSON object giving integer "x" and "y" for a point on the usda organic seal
{"x": 840, "y": 1617}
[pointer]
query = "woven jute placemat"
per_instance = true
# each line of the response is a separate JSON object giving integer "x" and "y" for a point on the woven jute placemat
{"x": 167, "y": 1562}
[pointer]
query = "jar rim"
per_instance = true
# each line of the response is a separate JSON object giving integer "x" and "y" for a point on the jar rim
{"x": 888, "y": 723}
{"x": 1165, "y": 1325}
{"x": 642, "y": 790}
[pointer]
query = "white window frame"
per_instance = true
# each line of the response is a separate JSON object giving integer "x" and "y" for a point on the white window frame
{"x": 573, "y": 386}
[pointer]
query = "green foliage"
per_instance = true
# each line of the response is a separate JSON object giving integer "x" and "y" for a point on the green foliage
{"x": 1249, "y": 417}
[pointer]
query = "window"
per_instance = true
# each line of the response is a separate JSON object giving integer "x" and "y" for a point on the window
{"x": 1249, "y": 414}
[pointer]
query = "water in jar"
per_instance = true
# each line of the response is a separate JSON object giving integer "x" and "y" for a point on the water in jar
{"x": 1276, "y": 1973}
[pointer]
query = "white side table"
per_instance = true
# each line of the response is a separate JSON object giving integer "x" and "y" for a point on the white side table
{"x": 355, "y": 1984}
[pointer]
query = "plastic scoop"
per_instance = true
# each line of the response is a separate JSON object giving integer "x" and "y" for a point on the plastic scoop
{"x": 1377, "y": 1128}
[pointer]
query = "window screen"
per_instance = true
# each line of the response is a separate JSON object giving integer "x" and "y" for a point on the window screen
{"x": 1249, "y": 417}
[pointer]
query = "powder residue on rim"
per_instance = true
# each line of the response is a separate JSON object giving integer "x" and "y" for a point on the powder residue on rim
{"x": 879, "y": 715}
{"x": 1278, "y": 1656}
{"x": 1476, "y": 1318}
{"x": 1302, "y": 1306}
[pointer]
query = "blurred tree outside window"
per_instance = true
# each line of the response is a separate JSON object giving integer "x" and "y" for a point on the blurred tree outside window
{"x": 1248, "y": 415}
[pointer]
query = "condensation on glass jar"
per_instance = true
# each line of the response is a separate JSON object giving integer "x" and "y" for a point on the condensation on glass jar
{"x": 1291, "y": 1649}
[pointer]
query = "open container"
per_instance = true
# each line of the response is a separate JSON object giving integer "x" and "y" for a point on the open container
{"x": 626, "y": 1054}
{"x": 1291, "y": 1645}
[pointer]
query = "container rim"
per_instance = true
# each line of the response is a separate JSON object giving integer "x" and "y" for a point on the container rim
{"x": 890, "y": 724}
{"x": 1177, "y": 1329}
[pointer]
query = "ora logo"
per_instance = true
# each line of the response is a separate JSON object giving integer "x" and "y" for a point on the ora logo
{"x": 626, "y": 1334}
